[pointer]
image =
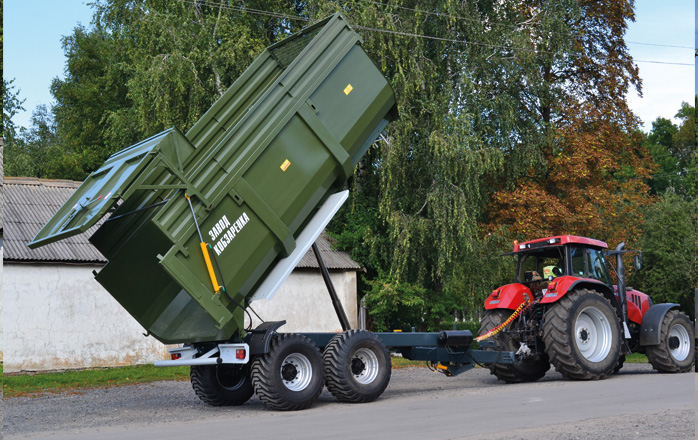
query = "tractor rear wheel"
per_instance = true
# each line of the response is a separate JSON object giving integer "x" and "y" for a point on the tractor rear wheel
{"x": 221, "y": 385}
{"x": 291, "y": 375}
{"x": 357, "y": 366}
{"x": 674, "y": 354}
{"x": 582, "y": 335}
{"x": 530, "y": 370}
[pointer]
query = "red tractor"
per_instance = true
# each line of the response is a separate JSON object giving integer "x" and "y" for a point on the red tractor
{"x": 563, "y": 309}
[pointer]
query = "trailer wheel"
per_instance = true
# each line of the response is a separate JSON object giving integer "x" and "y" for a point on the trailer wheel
{"x": 582, "y": 335}
{"x": 676, "y": 346}
{"x": 290, "y": 376}
{"x": 530, "y": 370}
{"x": 357, "y": 366}
{"x": 222, "y": 385}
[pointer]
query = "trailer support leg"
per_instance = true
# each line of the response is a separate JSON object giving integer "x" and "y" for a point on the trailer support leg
{"x": 338, "y": 308}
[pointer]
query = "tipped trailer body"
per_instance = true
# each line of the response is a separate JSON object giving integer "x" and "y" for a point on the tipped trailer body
{"x": 201, "y": 224}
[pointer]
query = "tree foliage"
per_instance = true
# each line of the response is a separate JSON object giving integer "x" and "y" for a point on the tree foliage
{"x": 595, "y": 187}
{"x": 11, "y": 104}
{"x": 673, "y": 149}
{"x": 513, "y": 124}
{"x": 670, "y": 251}
{"x": 146, "y": 65}
{"x": 593, "y": 168}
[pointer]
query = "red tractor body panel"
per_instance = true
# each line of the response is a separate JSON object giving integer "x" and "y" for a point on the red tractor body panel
{"x": 510, "y": 296}
{"x": 638, "y": 304}
{"x": 561, "y": 285}
{"x": 560, "y": 240}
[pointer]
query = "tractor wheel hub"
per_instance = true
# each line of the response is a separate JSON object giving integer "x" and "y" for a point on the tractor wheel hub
{"x": 584, "y": 335}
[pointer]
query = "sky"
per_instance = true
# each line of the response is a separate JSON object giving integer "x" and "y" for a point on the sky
{"x": 33, "y": 54}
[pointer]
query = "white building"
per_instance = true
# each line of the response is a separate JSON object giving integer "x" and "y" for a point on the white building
{"x": 56, "y": 316}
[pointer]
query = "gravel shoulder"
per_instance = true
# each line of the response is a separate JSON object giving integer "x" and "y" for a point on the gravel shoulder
{"x": 165, "y": 404}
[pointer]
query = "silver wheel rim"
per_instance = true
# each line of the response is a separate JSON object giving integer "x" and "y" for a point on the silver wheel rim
{"x": 593, "y": 334}
{"x": 368, "y": 359}
{"x": 681, "y": 352}
{"x": 296, "y": 372}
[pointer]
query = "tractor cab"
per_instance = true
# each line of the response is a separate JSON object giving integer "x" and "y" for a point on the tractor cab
{"x": 539, "y": 262}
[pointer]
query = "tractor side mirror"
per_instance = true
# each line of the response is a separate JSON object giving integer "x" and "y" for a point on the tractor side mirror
{"x": 638, "y": 262}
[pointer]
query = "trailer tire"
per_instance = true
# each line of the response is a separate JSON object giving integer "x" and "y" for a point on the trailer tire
{"x": 221, "y": 385}
{"x": 290, "y": 376}
{"x": 582, "y": 334}
{"x": 530, "y": 370}
{"x": 677, "y": 332}
{"x": 357, "y": 366}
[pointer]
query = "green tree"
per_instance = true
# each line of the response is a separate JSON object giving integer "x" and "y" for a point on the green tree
{"x": 673, "y": 150}
{"x": 11, "y": 104}
{"x": 483, "y": 89}
{"x": 36, "y": 151}
{"x": 669, "y": 251}
{"x": 146, "y": 65}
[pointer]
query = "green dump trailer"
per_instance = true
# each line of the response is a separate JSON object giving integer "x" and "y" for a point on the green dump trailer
{"x": 200, "y": 224}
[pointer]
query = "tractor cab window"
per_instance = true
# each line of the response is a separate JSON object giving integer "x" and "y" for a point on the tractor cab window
{"x": 597, "y": 266}
{"x": 589, "y": 263}
{"x": 541, "y": 264}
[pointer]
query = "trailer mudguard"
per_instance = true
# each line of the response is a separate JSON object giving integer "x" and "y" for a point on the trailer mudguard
{"x": 261, "y": 336}
{"x": 651, "y": 328}
{"x": 510, "y": 296}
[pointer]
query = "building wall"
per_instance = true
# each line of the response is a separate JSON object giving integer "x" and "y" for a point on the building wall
{"x": 2, "y": 346}
{"x": 58, "y": 317}
{"x": 304, "y": 303}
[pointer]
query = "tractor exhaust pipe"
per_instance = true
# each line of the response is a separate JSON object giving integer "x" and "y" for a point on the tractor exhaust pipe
{"x": 622, "y": 293}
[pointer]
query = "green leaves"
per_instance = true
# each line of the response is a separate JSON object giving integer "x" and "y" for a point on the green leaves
{"x": 147, "y": 65}
{"x": 670, "y": 251}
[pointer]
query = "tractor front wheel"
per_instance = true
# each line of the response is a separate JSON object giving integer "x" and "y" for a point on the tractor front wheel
{"x": 676, "y": 345}
{"x": 581, "y": 333}
{"x": 530, "y": 369}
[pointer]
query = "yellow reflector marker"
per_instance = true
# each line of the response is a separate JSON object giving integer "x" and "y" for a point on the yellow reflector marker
{"x": 211, "y": 273}
{"x": 284, "y": 166}
{"x": 348, "y": 89}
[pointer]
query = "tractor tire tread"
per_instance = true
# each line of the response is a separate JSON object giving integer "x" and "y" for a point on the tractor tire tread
{"x": 557, "y": 342}
{"x": 534, "y": 370}
{"x": 660, "y": 357}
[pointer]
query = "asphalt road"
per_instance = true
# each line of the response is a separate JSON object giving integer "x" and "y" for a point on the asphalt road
{"x": 418, "y": 404}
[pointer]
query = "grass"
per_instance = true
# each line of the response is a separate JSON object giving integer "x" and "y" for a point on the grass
{"x": 32, "y": 385}
{"x": 400, "y": 363}
{"x": 48, "y": 383}
{"x": 636, "y": 358}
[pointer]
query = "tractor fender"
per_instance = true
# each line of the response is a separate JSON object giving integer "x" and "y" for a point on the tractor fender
{"x": 560, "y": 286}
{"x": 510, "y": 296}
{"x": 651, "y": 327}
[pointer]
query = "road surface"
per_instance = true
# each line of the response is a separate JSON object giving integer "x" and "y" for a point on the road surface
{"x": 418, "y": 404}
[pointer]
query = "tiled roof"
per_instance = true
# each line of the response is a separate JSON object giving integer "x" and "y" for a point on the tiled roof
{"x": 31, "y": 202}
{"x": 333, "y": 259}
